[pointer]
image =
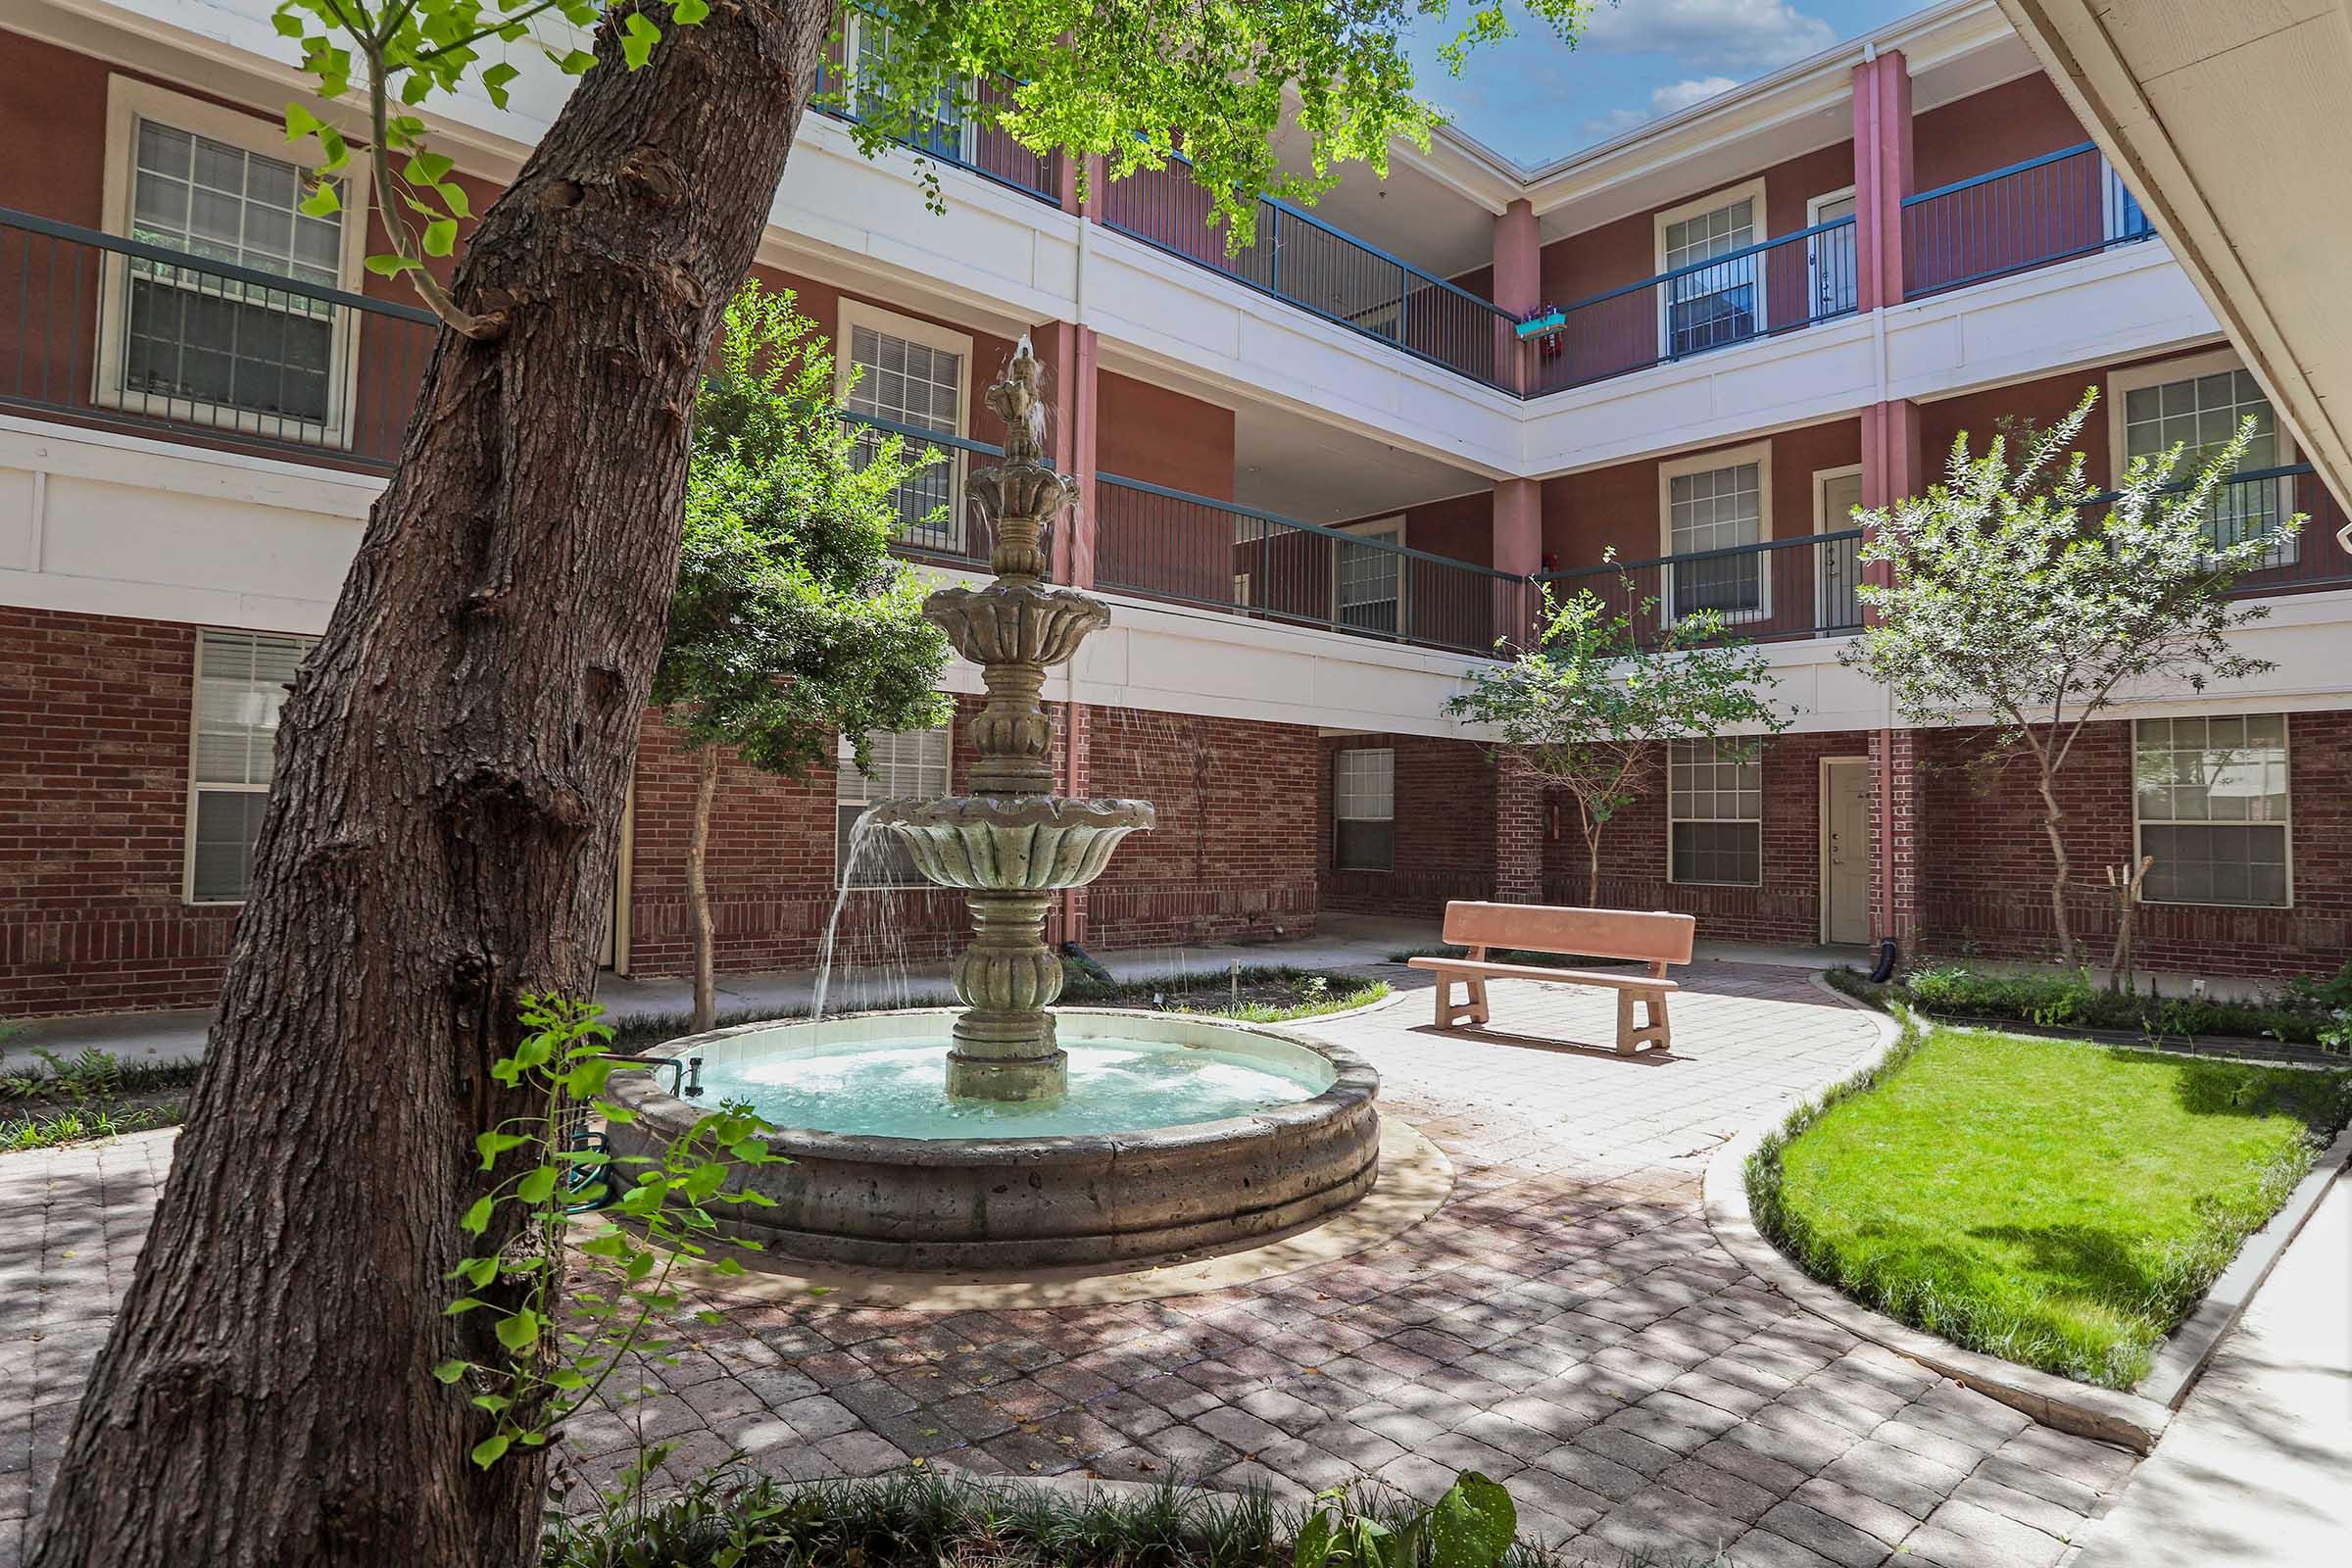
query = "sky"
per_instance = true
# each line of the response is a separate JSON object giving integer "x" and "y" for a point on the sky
{"x": 1532, "y": 99}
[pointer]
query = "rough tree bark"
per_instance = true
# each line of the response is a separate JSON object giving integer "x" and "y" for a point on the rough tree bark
{"x": 451, "y": 770}
{"x": 698, "y": 892}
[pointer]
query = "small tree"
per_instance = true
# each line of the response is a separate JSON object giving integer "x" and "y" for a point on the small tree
{"x": 1593, "y": 706}
{"x": 2008, "y": 599}
{"x": 792, "y": 622}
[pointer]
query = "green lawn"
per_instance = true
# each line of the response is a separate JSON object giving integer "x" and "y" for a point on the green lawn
{"x": 2057, "y": 1204}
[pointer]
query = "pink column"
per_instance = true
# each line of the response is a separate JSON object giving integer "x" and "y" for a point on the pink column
{"x": 1518, "y": 285}
{"x": 1893, "y": 470}
{"x": 1882, "y": 176}
{"x": 1518, "y": 551}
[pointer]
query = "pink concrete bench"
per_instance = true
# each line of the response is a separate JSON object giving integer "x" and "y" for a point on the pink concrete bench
{"x": 1655, "y": 940}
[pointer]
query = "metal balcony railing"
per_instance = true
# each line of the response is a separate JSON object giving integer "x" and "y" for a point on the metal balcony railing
{"x": 2046, "y": 210}
{"x": 120, "y": 334}
{"x": 1761, "y": 291}
{"x": 1186, "y": 549}
{"x": 976, "y": 145}
{"x": 1771, "y": 591}
{"x": 935, "y": 524}
{"x": 1304, "y": 261}
{"x": 2260, "y": 501}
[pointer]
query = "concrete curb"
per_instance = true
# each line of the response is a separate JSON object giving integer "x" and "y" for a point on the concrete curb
{"x": 2125, "y": 1419}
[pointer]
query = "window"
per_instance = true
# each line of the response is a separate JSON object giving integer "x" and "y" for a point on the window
{"x": 1715, "y": 302}
{"x": 182, "y": 343}
{"x": 2201, "y": 413}
{"x": 942, "y": 132}
{"x": 1715, "y": 813}
{"x": 241, "y": 682}
{"x": 2211, "y": 808}
{"x": 1719, "y": 501}
{"x": 1363, "y": 810}
{"x": 910, "y": 764}
{"x": 910, "y": 373}
{"x": 1368, "y": 582}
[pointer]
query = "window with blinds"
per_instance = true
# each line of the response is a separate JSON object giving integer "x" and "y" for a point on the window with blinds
{"x": 2211, "y": 801}
{"x": 1715, "y": 814}
{"x": 905, "y": 765}
{"x": 1363, "y": 808}
{"x": 919, "y": 385}
{"x": 241, "y": 681}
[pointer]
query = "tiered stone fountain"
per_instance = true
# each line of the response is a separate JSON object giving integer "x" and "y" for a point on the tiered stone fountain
{"x": 1071, "y": 1137}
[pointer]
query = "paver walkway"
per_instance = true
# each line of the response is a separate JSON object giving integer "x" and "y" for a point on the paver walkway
{"x": 1565, "y": 1323}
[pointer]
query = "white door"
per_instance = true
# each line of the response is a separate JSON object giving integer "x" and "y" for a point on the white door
{"x": 1837, "y": 566}
{"x": 1832, "y": 263}
{"x": 1846, "y": 856}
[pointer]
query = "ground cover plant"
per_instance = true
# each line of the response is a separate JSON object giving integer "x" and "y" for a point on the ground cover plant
{"x": 2308, "y": 1012}
{"x": 2057, "y": 1204}
{"x": 92, "y": 1093}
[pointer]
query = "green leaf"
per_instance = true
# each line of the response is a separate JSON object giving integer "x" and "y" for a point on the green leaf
{"x": 427, "y": 169}
{"x": 686, "y": 13}
{"x": 300, "y": 121}
{"x": 520, "y": 1330}
{"x": 492, "y": 1402}
{"x": 288, "y": 25}
{"x": 574, "y": 64}
{"x": 637, "y": 41}
{"x": 450, "y": 1371}
{"x": 495, "y": 81}
{"x": 322, "y": 201}
{"x": 440, "y": 236}
{"x": 1315, "y": 1539}
{"x": 464, "y": 1303}
{"x": 490, "y": 1450}
{"x": 1473, "y": 1525}
{"x": 478, "y": 1217}
{"x": 491, "y": 1144}
{"x": 539, "y": 1186}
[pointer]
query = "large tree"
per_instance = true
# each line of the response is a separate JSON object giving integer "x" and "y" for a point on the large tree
{"x": 2013, "y": 591}
{"x": 442, "y": 829}
{"x": 791, "y": 624}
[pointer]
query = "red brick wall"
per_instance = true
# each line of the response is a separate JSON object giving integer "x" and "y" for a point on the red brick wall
{"x": 95, "y": 716}
{"x": 1233, "y": 854}
{"x": 1985, "y": 863}
{"x": 1445, "y": 827}
{"x": 1785, "y": 907}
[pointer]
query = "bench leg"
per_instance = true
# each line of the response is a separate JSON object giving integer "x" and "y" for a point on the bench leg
{"x": 1473, "y": 1008}
{"x": 1652, "y": 1029}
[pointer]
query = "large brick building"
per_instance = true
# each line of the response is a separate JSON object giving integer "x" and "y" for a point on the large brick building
{"x": 1320, "y": 479}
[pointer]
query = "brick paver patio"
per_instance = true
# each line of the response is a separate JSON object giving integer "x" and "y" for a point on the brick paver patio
{"x": 1564, "y": 1323}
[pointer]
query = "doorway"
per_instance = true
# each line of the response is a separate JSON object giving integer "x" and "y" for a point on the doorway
{"x": 1833, "y": 272}
{"x": 1845, "y": 851}
{"x": 613, "y": 952}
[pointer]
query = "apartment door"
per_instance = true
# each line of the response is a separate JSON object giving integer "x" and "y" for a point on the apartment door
{"x": 1832, "y": 265}
{"x": 1837, "y": 566}
{"x": 613, "y": 952}
{"x": 1845, "y": 850}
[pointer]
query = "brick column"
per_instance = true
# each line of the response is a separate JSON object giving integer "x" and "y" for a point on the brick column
{"x": 1895, "y": 836}
{"x": 1882, "y": 177}
{"x": 1518, "y": 830}
{"x": 1069, "y": 352}
{"x": 1518, "y": 285}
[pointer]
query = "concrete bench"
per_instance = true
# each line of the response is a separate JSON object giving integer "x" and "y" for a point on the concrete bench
{"x": 1655, "y": 940}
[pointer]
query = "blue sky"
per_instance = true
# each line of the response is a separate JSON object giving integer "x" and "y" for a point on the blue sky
{"x": 1532, "y": 98}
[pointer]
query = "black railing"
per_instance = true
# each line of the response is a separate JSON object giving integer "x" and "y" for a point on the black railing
{"x": 2046, "y": 210}
{"x": 1759, "y": 290}
{"x": 1304, "y": 261}
{"x": 1186, "y": 549}
{"x": 122, "y": 334}
{"x": 976, "y": 144}
{"x": 935, "y": 524}
{"x": 1770, "y": 592}
{"x": 2259, "y": 502}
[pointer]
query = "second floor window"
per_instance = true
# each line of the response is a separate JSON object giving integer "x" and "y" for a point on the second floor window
{"x": 911, "y": 374}
{"x": 1709, "y": 510}
{"x": 2202, "y": 413}
{"x": 1717, "y": 302}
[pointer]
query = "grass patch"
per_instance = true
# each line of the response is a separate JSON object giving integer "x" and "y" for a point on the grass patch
{"x": 1268, "y": 993}
{"x": 917, "y": 1520}
{"x": 2307, "y": 1014}
{"x": 2055, "y": 1204}
{"x": 90, "y": 1095}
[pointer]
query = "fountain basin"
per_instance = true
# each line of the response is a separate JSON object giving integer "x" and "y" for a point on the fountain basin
{"x": 998, "y": 1199}
{"x": 1011, "y": 843}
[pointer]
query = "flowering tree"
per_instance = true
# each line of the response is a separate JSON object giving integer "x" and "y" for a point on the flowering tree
{"x": 1592, "y": 707}
{"x": 2006, "y": 597}
{"x": 792, "y": 622}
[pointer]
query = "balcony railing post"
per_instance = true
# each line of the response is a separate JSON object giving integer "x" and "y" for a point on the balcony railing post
{"x": 1273, "y": 242}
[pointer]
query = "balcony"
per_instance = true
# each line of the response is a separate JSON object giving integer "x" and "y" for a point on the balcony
{"x": 119, "y": 334}
{"x": 2039, "y": 213}
{"x": 977, "y": 147}
{"x": 1777, "y": 591}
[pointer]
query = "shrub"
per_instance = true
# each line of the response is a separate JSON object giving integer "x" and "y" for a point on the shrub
{"x": 2070, "y": 998}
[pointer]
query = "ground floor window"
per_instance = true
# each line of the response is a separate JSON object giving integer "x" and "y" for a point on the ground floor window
{"x": 2211, "y": 802}
{"x": 241, "y": 681}
{"x": 905, "y": 763}
{"x": 1363, "y": 801}
{"x": 1715, "y": 813}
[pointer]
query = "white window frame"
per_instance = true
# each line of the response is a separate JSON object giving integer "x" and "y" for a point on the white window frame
{"x": 857, "y": 313}
{"x": 127, "y": 103}
{"x": 1674, "y": 818}
{"x": 1750, "y": 191}
{"x": 1337, "y": 818}
{"x": 1670, "y": 470}
{"x": 1813, "y": 250}
{"x": 2140, "y": 377}
{"x": 2286, "y": 822}
{"x": 852, "y": 40}
{"x": 1823, "y": 524}
{"x": 197, "y": 788}
{"x": 843, "y": 754}
{"x": 1378, "y": 528}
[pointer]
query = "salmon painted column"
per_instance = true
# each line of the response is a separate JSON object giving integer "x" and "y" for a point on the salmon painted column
{"x": 1518, "y": 795}
{"x": 1518, "y": 287}
{"x": 1882, "y": 177}
{"x": 1070, "y": 354}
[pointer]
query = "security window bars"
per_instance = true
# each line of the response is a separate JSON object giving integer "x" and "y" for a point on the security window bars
{"x": 1718, "y": 304}
{"x": 241, "y": 681}
{"x": 2202, "y": 414}
{"x": 906, "y": 765}
{"x": 1717, "y": 509}
{"x": 920, "y": 385}
{"x": 1715, "y": 810}
{"x": 190, "y": 337}
{"x": 2211, "y": 808}
{"x": 1363, "y": 808}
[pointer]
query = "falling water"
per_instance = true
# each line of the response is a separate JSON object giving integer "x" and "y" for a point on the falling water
{"x": 877, "y": 955}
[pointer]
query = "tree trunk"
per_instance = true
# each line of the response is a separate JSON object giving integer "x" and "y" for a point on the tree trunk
{"x": 1592, "y": 857}
{"x": 698, "y": 892}
{"x": 2052, "y": 819}
{"x": 439, "y": 841}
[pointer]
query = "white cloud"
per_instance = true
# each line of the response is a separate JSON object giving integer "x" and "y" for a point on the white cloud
{"x": 1672, "y": 98}
{"x": 1743, "y": 35}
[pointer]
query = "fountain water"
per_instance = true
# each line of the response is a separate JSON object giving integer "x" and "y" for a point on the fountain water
{"x": 1170, "y": 1133}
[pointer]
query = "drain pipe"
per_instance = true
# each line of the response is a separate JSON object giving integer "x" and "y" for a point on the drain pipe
{"x": 1886, "y": 965}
